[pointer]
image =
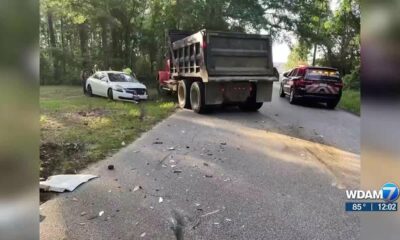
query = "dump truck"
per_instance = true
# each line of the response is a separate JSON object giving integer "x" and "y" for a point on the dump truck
{"x": 209, "y": 68}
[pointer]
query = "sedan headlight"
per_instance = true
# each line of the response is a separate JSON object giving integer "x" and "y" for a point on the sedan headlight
{"x": 118, "y": 89}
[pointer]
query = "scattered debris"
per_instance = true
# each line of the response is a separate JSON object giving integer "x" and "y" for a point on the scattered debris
{"x": 216, "y": 223}
{"x": 143, "y": 234}
{"x": 210, "y": 213}
{"x": 171, "y": 149}
{"x": 93, "y": 217}
{"x": 82, "y": 223}
{"x": 197, "y": 204}
{"x": 177, "y": 171}
{"x": 123, "y": 143}
{"x": 101, "y": 213}
{"x": 136, "y": 151}
{"x": 83, "y": 213}
{"x": 157, "y": 142}
{"x": 173, "y": 165}
{"x": 137, "y": 188}
{"x": 60, "y": 183}
{"x": 228, "y": 219}
{"x": 74, "y": 199}
{"x": 208, "y": 176}
{"x": 227, "y": 179}
{"x": 160, "y": 200}
{"x": 110, "y": 167}
{"x": 171, "y": 161}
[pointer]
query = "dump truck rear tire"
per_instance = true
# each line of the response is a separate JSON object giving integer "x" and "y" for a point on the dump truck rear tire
{"x": 197, "y": 100}
{"x": 184, "y": 94}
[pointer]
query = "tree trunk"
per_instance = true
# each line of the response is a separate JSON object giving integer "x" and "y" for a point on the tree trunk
{"x": 53, "y": 45}
{"x": 83, "y": 38}
{"x": 63, "y": 47}
{"x": 104, "y": 43}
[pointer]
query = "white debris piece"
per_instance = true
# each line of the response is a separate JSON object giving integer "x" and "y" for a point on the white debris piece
{"x": 60, "y": 183}
{"x": 210, "y": 213}
{"x": 171, "y": 148}
{"x": 160, "y": 200}
{"x": 123, "y": 143}
{"x": 101, "y": 213}
{"x": 136, "y": 188}
{"x": 143, "y": 234}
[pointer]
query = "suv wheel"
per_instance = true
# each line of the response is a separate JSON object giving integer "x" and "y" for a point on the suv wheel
{"x": 281, "y": 92}
{"x": 292, "y": 97}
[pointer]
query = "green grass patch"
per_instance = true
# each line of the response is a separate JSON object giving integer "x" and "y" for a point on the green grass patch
{"x": 77, "y": 130}
{"x": 351, "y": 101}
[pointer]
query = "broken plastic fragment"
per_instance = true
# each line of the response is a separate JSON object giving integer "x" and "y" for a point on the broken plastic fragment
{"x": 60, "y": 183}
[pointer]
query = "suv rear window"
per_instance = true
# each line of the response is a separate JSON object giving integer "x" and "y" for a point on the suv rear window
{"x": 322, "y": 74}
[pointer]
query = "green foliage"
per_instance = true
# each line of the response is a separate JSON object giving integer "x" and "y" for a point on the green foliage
{"x": 121, "y": 34}
{"x": 336, "y": 33}
{"x": 351, "y": 101}
{"x": 352, "y": 80}
{"x": 298, "y": 56}
{"x": 76, "y": 34}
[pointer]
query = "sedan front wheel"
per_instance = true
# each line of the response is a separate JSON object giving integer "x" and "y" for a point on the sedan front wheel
{"x": 110, "y": 94}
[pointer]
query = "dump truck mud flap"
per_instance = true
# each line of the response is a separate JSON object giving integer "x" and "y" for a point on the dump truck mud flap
{"x": 213, "y": 95}
{"x": 264, "y": 91}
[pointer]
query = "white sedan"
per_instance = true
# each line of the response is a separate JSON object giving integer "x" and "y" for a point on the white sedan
{"x": 116, "y": 85}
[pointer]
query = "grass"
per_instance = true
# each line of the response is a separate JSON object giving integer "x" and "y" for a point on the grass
{"x": 350, "y": 101}
{"x": 77, "y": 130}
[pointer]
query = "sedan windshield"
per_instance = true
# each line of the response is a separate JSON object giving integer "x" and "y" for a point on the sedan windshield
{"x": 121, "y": 77}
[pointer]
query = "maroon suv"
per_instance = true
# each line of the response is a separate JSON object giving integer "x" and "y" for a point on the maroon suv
{"x": 320, "y": 84}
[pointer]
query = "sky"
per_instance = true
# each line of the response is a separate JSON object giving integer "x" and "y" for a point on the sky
{"x": 280, "y": 52}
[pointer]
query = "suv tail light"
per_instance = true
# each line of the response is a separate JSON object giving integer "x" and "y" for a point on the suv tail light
{"x": 302, "y": 83}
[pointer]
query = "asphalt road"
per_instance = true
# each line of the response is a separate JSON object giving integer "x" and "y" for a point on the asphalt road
{"x": 275, "y": 174}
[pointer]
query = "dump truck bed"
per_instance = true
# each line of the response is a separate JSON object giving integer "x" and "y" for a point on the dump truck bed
{"x": 223, "y": 56}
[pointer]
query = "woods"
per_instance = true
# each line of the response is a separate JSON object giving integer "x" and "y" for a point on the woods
{"x": 77, "y": 34}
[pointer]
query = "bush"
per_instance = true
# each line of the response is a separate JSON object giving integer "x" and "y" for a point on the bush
{"x": 352, "y": 80}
